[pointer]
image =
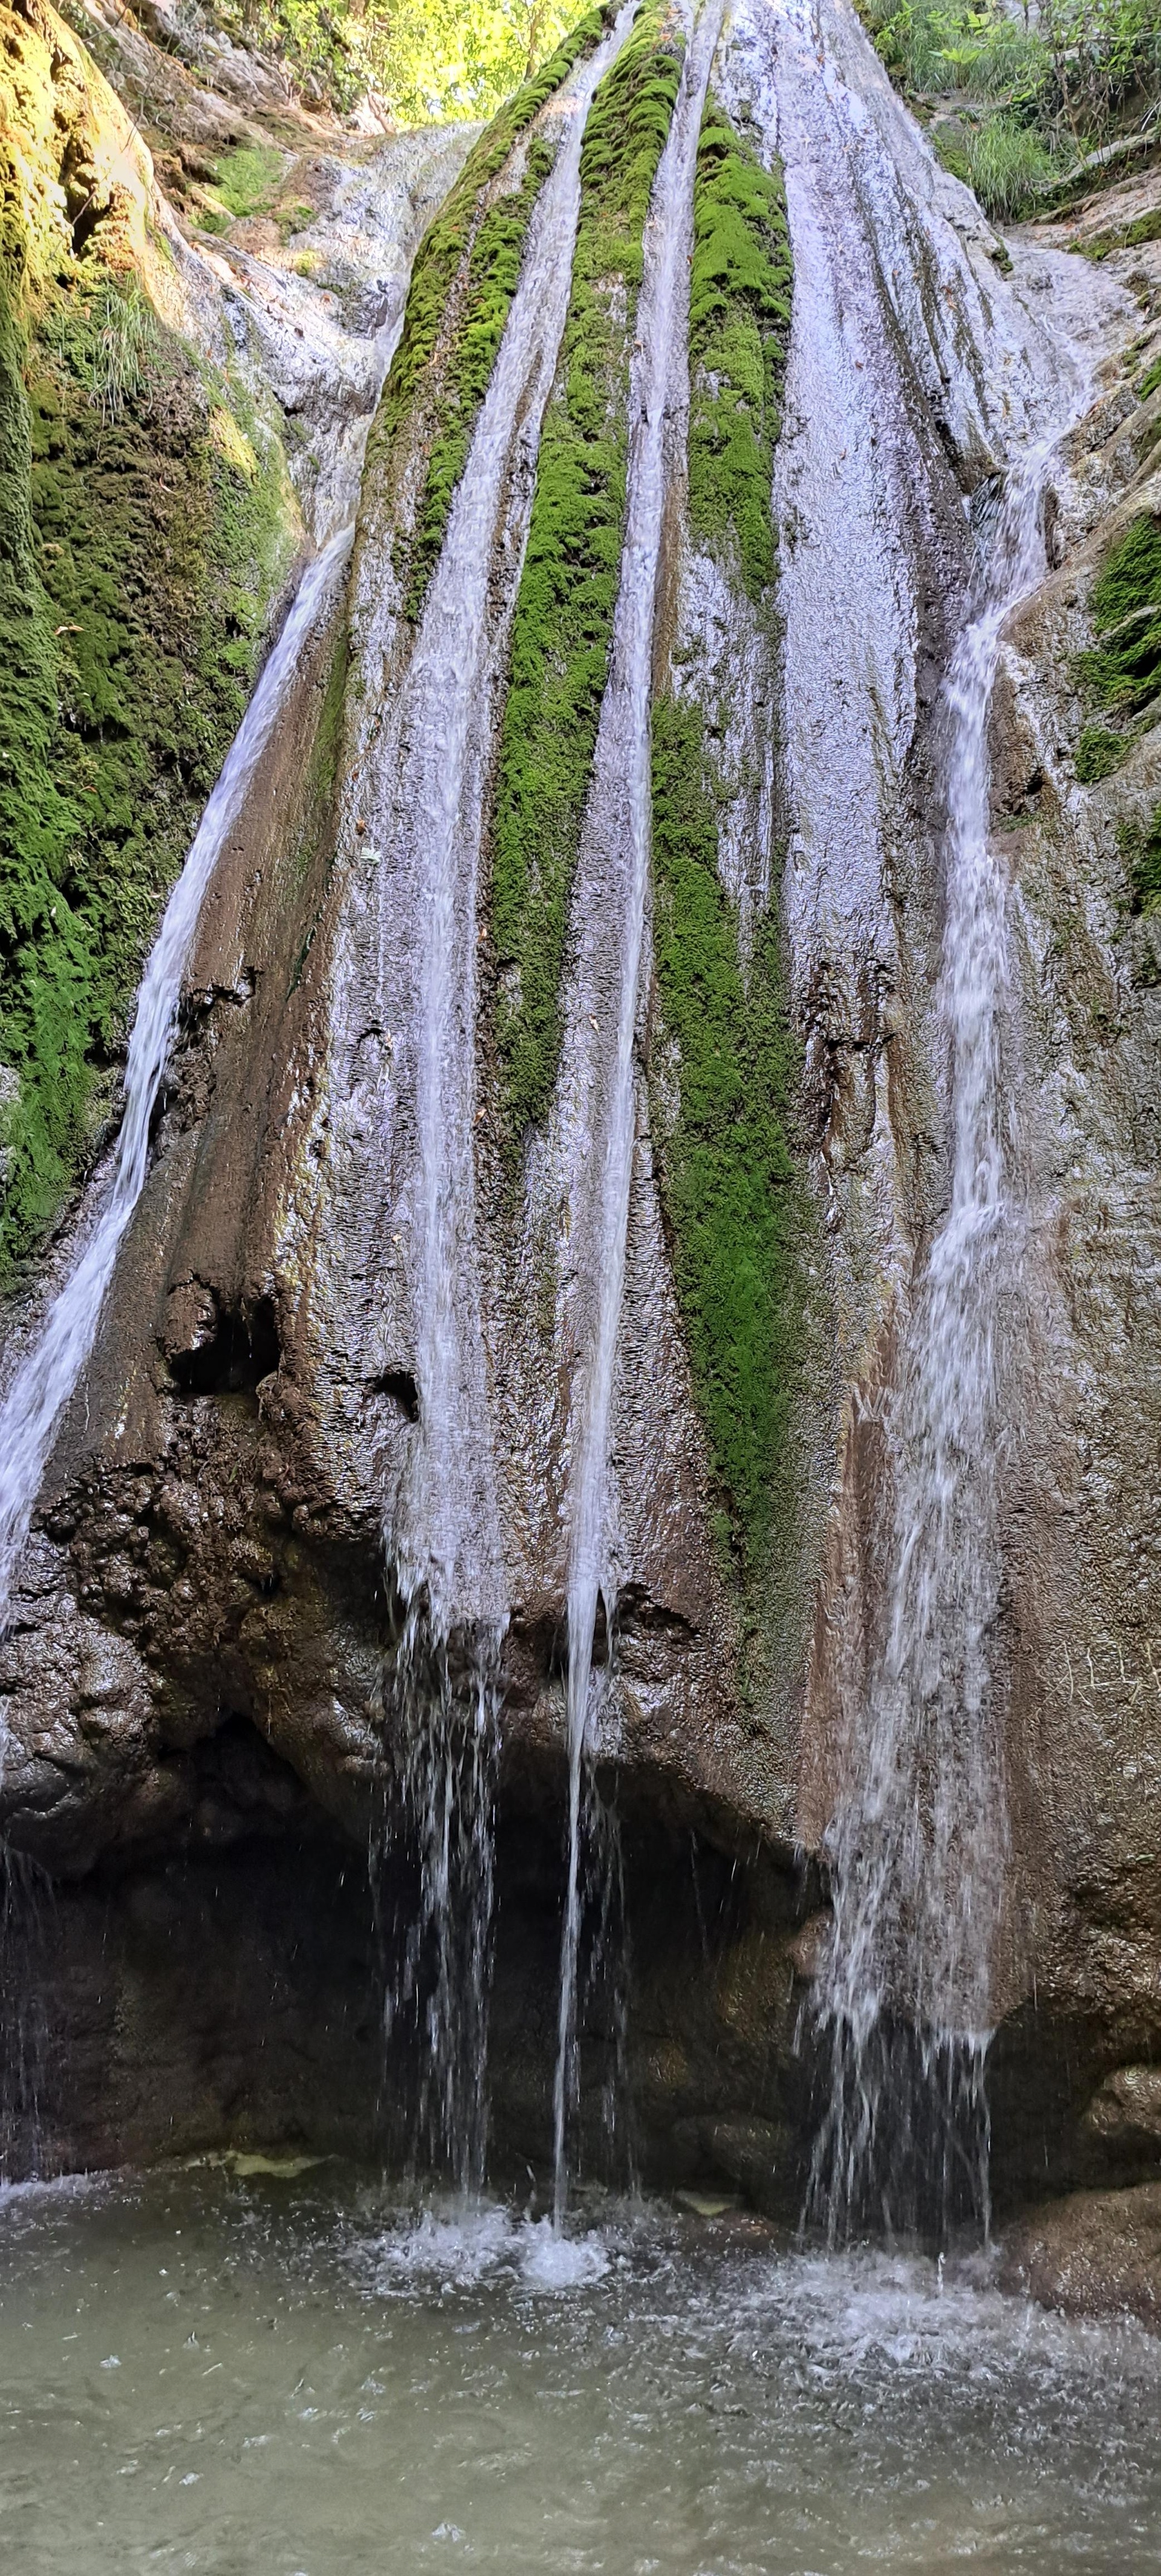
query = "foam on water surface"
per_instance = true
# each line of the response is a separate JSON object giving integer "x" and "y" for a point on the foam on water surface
{"x": 216, "y": 2374}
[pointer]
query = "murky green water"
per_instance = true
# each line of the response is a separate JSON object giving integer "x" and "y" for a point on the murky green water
{"x": 254, "y": 2377}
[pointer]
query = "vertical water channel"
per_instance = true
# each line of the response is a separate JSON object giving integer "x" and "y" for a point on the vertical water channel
{"x": 920, "y": 1843}
{"x": 906, "y": 348}
{"x": 602, "y": 1125}
{"x": 426, "y": 800}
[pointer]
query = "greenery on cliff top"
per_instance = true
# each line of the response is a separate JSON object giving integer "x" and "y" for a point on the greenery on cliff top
{"x": 461, "y": 291}
{"x": 724, "y": 1059}
{"x": 1018, "y": 99}
{"x": 564, "y": 613}
{"x": 422, "y": 60}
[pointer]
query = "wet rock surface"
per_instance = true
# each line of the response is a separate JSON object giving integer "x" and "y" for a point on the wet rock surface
{"x": 198, "y": 1678}
{"x": 1094, "y": 2254}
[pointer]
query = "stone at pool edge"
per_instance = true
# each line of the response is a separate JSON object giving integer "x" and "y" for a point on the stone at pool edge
{"x": 1096, "y": 2253}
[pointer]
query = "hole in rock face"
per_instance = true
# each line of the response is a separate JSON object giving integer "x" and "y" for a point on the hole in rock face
{"x": 400, "y": 1387}
{"x": 233, "y": 1356}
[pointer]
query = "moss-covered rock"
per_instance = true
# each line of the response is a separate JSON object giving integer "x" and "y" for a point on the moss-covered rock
{"x": 1121, "y": 674}
{"x": 739, "y": 321}
{"x": 564, "y": 612}
{"x": 462, "y": 286}
{"x": 728, "y": 1176}
{"x": 1140, "y": 848}
{"x": 724, "y": 1058}
{"x": 146, "y": 524}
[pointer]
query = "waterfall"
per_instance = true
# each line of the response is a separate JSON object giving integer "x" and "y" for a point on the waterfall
{"x": 919, "y": 1845}
{"x": 600, "y": 1083}
{"x": 425, "y": 802}
{"x": 45, "y": 1379}
{"x": 907, "y": 348}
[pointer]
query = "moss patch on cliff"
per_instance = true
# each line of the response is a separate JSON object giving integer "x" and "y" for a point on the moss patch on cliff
{"x": 1121, "y": 673}
{"x": 465, "y": 276}
{"x": 729, "y": 1189}
{"x": 493, "y": 275}
{"x": 564, "y": 612}
{"x": 145, "y": 521}
{"x": 723, "y": 1058}
{"x": 1140, "y": 848}
{"x": 739, "y": 323}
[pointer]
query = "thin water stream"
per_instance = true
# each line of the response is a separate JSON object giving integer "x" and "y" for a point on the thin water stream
{"x": 241, "y": 2376}
{"x": 920, "y": 1843}
{"x": 42, "y": 1385}
{"x": 426, "y": 796}
{"x": 600, "y": 1083}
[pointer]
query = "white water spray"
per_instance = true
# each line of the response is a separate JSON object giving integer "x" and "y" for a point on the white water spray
{"x": 919, "y": 1845}
{"x": 617, "y": 829}
{"x": 45, "y": 1380}
{"x": 428, "y": 796}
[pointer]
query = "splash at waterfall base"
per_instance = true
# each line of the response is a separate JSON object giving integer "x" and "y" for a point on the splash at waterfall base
{"x": 285, "y": 1442}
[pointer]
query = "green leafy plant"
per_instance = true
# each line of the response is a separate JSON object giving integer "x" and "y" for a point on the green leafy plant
{"x": 1023, "y": 98}
{"x": 422, "y": 60}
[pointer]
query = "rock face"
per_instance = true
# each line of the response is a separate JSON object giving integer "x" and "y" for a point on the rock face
{"x": 1095, "y": 2253}
{"x": 201, "y": 1670}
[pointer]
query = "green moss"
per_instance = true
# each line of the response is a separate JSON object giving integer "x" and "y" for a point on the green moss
{"x": 725, "y": 1062}
{"x": 564, "y": 612}
{"x": 316, "y": 838}
{"x": 462, "y": 284}
{"x": 248, "y": 177}
{"x": 293, "y": 219}
{"x": 1141, "y": 851}
{"x": 739, "y": 321}
{"x": 1150, "y": 381}
{"x": 144, "y": 521}
{"x": 1098, "y": 753}
{"x": 1147, "y": 228}
{"x": 1122, "y": 671}
{"x": 493, "y": 275}
{"x": 731, "y": 1199}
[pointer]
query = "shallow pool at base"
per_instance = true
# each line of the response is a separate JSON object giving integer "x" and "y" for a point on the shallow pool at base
{"x": 253, "y": 2376}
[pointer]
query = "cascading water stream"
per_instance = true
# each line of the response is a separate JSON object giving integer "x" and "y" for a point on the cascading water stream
{"x": 907, "y": 349}
{"x": 427, "y": 798}
{"x": 919, "y": 1844}
{"x": 45, "y": 1379}
{"x": 617, "y": 826}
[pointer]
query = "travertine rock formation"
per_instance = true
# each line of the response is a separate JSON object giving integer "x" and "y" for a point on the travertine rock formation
{"x": 201, "y": 1665}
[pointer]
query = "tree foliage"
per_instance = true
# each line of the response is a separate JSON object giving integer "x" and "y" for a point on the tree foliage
{"x": 421, "y": 60}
